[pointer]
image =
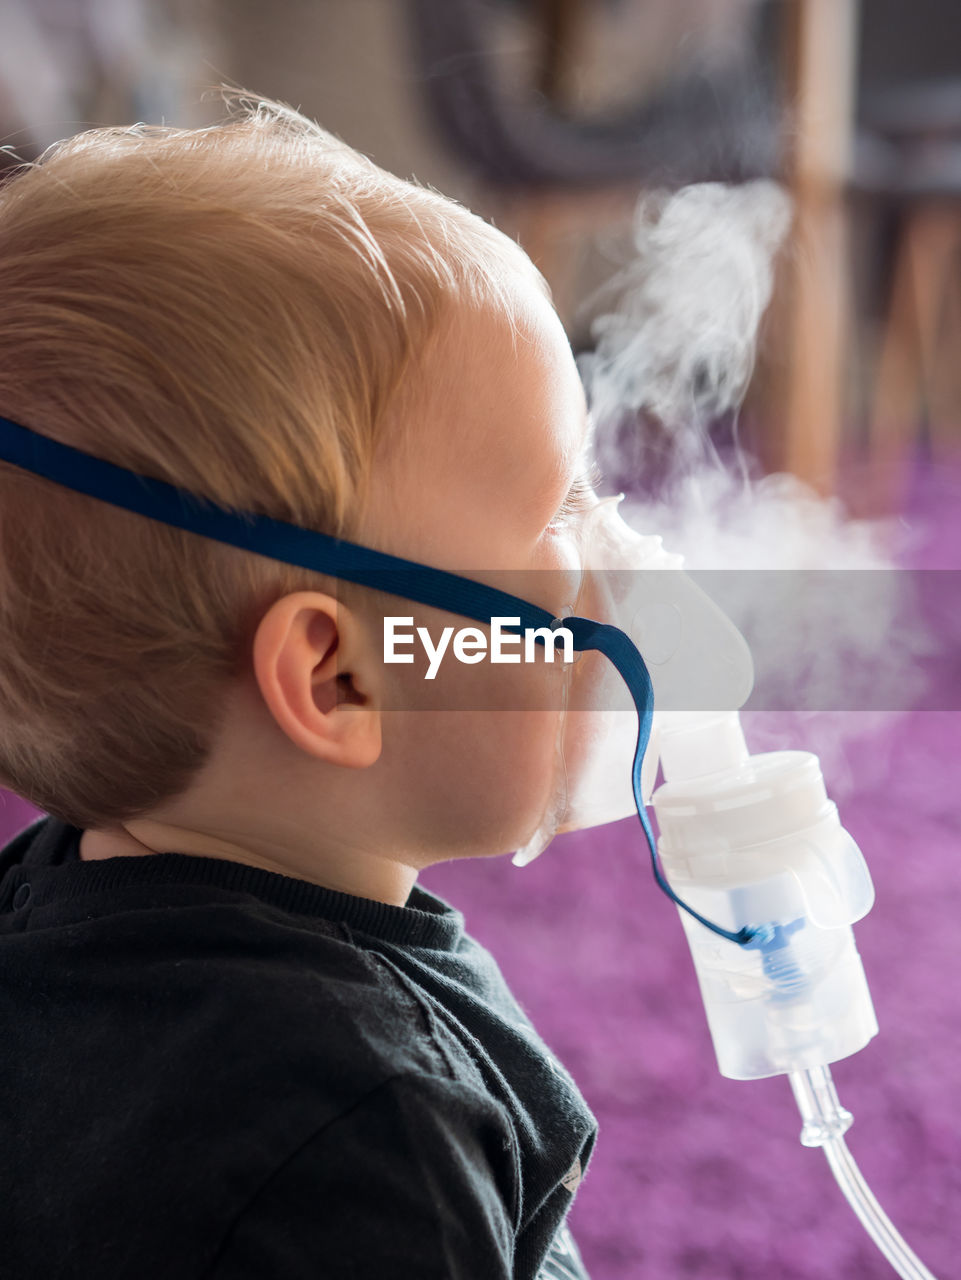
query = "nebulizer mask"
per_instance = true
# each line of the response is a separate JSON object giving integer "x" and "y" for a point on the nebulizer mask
{"x": 751, "y": 850}
{"x": 694, "y": 656}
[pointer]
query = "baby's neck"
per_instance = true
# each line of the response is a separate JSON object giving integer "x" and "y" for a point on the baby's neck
{"x": 113, "y": 843}
{"x": 380, "y": 879}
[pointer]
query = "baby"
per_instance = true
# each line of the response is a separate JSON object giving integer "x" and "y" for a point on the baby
{"x": 239, "y": 1040}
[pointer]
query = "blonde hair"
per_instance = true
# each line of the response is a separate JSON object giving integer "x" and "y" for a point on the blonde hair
{"x": 230, "y": 310}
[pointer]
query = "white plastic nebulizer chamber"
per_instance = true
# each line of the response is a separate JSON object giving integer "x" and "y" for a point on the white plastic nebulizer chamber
{"x": 752, "y": 841}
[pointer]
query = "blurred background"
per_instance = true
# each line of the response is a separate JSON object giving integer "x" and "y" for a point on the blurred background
{"x": 554, "y": 118}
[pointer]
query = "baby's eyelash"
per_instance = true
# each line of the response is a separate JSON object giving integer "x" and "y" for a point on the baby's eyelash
{"x": 580, "y": 496}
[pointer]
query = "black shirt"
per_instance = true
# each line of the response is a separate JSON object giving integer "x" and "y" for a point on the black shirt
{"x": 210, "y": 1070}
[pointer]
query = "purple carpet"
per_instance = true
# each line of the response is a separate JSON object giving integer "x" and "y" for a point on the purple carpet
{"x": 699, "y": 1176}
{"x": 695, "y": 1175}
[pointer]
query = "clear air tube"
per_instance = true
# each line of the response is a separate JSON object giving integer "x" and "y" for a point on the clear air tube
{"x": 825, "y": 1123}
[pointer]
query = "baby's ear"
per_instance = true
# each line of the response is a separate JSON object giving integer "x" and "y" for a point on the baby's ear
{"x": 313, "y": 672}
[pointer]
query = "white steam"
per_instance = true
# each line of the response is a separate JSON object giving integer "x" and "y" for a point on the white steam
{"x": 681, "y": 339}
{"x": 675, "y": 353}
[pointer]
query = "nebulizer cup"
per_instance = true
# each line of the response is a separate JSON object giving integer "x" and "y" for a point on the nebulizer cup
{"x": 755, "y": 843}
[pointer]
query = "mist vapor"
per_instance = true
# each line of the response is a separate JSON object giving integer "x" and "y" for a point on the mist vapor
{"x": 681, "y": 338}
{"x": 674, "y": 353}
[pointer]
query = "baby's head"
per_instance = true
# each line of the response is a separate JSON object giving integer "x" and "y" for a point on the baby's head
{"x": 257, "y": 314}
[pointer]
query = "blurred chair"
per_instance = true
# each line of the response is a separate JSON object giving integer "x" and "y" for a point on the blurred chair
{"x": 556, "y": 175}
{"x": 700, "y": 128}
{"x": 917, "y": 170}
{"x": 552, "y": 172}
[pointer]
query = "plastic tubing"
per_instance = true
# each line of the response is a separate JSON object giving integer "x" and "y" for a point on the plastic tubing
{"x": 825, "y": 1123}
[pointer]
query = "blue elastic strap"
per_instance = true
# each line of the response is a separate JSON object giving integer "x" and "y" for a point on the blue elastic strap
{"x": 621, "y": 650}
{"x": 308, "y": 549}
{"x": 258, "y": 534}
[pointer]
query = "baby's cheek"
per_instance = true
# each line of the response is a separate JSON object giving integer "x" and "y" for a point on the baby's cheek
{"x": 514, "y": 774}
{"x": 525, "y": 764}
{"x": 472, "y": 755}
{"x": 558, "y": 577}
{"x": 481, "y": 780}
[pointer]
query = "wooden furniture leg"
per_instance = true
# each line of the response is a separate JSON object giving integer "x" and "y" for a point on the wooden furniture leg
{"x": 917, "y": 373}
{"x": 821, "y": 71}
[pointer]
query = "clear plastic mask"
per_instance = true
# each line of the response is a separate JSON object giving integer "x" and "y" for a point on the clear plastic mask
{"x": 696, "y": 657}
